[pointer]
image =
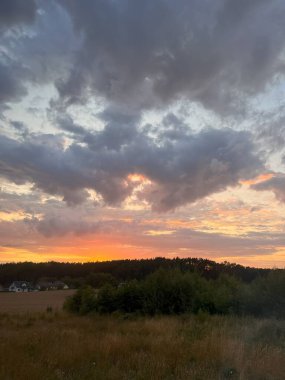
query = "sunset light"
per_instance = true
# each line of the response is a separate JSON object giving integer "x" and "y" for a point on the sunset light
{"x": 136, "y": 138}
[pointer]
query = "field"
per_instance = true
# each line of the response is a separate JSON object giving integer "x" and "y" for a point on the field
{"x": 55, "y": 345}
{"x": 33, "y": 302}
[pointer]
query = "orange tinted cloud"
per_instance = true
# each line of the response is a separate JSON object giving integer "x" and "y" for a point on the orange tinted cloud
{"x": 135, "y": 177}
{"x": 258, "y": 179}
{"x": 227, "y": 226}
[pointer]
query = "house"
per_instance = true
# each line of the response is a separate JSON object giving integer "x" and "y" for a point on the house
{"x": 21, "y": 286}
{"x": 44, "y": 285}
{"x": 51, "y": 285}
{"x": 60, "y": 285}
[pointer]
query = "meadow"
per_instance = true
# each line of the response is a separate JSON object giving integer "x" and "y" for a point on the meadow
{"x": 58, "y": 345}
{"x": 171, "y": 324}
{"x": 33, "y": 301}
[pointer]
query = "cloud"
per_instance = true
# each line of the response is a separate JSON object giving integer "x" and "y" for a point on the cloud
{"x": 213, "y": 52}
{"x": 181, "y": 168}
{"x": 36, "y": 50}
{"x": 197, "y": 165}
{"x": 11, "y": 81}
{"x": 16, "y": 12}
{"x": 59, "y": 232}
{"x": 275, "y": 184}
{"x": 155, "y": 68}
{"x": 271, "y": 129}
{"x": 59, "y": 226}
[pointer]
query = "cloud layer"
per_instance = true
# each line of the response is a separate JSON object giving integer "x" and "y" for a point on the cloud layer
{"x": 181, "y": 169}
{"x": 213, "y": 52}
{"x": 16, "y": 12}
{"x": 114, "y": 111}
{"x": 276, "y": 184}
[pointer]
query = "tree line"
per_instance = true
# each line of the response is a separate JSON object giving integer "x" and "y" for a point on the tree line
{"x": 172, "y": 291}
{"x": 114, "y": 272}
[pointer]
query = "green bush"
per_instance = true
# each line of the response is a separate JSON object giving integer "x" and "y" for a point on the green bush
{"x": 177, "y": 292}
{"x": 98, "y": 280}
{"x": 107, "y": 299}
{"x": 82, "y": 302}
{"x": 265, "y": 296}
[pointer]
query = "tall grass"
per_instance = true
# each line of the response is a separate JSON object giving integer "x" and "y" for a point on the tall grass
{"x": 50, "y": 346}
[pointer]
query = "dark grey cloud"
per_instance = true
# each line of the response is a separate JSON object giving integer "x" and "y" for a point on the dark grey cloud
{"x": 181, "y": 169}
{"x": 38, "y": 52}
{"x": 58, "y": 226}
{"x": 145, "y": 53}
{"x": 214, "y": 52}
{"x": 119, "y": 130}
{"x": 16, "y": 12}
{"x": 275, "y": 184}
{"x": 11, "y": 81}
{"x": 197, "y": 165}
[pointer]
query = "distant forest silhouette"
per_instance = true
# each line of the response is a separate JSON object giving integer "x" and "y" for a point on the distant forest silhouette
{"x": 77, "y": 274}
{"x": 161, "y": 286}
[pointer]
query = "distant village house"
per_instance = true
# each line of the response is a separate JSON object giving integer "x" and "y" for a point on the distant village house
{"x": 21, "y": 286}
{"x": 51, "y": 285}
{"x": 25, "y": 286}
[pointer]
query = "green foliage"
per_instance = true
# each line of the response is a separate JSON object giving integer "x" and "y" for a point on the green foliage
{"x": 76, "y": 275}
{"x": 129, "y": 297}
{"x": 82, "y": 302}
{"x": 225, "y": 294}
{"x": 177, "y": 292}
{"x": 97, "y": 280}
{"x": 107, "y": 300}
{"x": 265, "y": 296}
{"x": 169, "y": 292}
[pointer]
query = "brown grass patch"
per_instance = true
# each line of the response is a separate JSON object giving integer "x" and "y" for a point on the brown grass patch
{"x": 54, "y": 346}
{"x": 33, "y": 302}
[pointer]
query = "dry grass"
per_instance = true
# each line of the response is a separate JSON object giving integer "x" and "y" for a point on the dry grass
{"x": 51, "y": 346}
{"x": 33, "y": 302}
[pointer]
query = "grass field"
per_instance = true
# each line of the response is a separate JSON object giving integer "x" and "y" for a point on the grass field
{"x": 51, "y": 346}
{"x": 33, "y": 302}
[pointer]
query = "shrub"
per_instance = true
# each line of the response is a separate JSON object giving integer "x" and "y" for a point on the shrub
{"x": 107, "y": 300}
{"x": 176, "y": 292}
{"x": 82, "y": 302}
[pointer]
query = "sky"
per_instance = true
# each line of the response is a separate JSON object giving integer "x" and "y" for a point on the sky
{"x": 134, "y": 129}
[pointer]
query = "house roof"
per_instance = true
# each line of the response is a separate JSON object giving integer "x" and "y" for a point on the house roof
{"x": 51, "y": 283}
{"x": 21, "y": 284}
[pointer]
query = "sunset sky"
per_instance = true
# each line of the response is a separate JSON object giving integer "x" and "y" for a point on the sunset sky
{"x": 136, "y": 129}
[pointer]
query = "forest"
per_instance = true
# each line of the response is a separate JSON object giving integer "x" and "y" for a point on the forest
{"x": 116, "y": 271}
{"x": 161, "y": 286}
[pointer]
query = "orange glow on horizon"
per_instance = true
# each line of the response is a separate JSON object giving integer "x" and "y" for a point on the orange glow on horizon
{"x": 135, "y": 232}
{"x": 106, "y": 251}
